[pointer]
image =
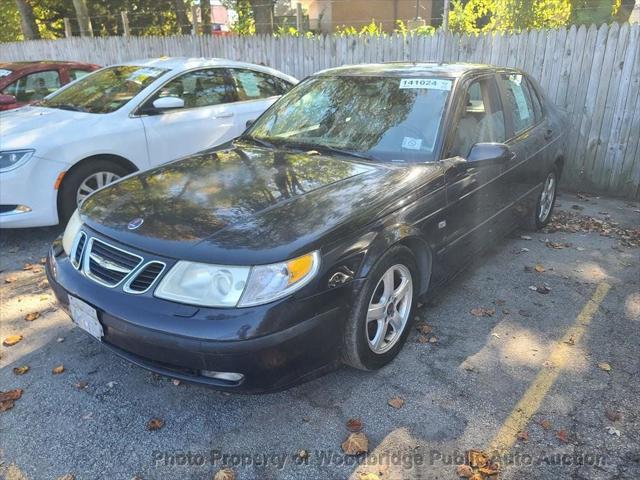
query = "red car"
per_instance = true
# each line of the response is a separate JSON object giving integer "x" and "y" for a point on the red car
{"x": 22, "y": 83}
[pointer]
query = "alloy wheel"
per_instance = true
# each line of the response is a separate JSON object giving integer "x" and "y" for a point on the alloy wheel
{"x": 94, "y": 182}
{"x": 547, "y": 197}
{"x": 389, "y": 309}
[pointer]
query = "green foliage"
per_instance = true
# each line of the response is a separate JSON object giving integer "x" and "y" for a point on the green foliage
{"x": 372, "y": 29}
{"x": 245, "y": 25}
{"x": 404, "y": 30}
{"x": 475, "y": 16}
{"x": 9, "y": 22}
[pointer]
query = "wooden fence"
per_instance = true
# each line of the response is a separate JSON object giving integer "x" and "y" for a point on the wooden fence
{"x": 593, "y": 73}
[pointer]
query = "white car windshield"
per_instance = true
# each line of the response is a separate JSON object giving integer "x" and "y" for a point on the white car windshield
{"x": 380, "y": 118}
{"x": 104, "y": 91}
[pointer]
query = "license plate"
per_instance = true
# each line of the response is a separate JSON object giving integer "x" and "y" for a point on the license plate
{"x": 85, "y": 316}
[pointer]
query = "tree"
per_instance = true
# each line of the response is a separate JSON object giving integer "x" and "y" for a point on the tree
{"x": 82, "y": 14}
{"x": 181, "y": 17}
{"x": 10, "y": 30}
{"x": 263, "y": 15}
{"x": 27, "y": 20}
{"x": 205, "y": 15}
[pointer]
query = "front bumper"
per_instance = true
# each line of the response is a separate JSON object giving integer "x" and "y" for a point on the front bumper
{"x": 274, "y": 346}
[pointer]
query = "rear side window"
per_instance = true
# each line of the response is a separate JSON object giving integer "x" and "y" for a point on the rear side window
{"x": 200, "y": 88}
{"x": 34, "y": 86}
{"x": 252, "y": 85}
{"x": 518, "y": 101}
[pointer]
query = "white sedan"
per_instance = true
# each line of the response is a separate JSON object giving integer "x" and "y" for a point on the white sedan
{"x": 118, "y": 120}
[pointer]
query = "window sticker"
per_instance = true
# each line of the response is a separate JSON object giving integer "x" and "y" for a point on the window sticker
{"x": 432, "y": 83}
{"x": 521, "y": 102}
{"x": 4, "y": 72}
{"x": 411, "y": 143}
{"x": 142, "y": 75}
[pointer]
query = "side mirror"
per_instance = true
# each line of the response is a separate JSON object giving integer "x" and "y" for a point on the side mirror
{"x": 249, "y": 123}
{"x": 7, "y": 99}
{"x": 482, "y": 154}
{"x": 168, "y": 103}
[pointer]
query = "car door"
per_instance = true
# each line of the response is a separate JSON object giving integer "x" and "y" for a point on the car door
{"x": 256, "y": 91}
{"x": 207, "y": 118}
{"x": 473, "y": 191}
{"x": 528, "y": 125}
{"x": 34, "y": 86}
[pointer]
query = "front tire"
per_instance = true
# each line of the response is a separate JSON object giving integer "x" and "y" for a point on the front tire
{"x": 83, "y": 180}
{"x": 383, "y": 313}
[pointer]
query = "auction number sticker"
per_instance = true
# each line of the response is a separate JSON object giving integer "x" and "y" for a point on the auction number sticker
{"x": 4, "y": 72}
{"x": 432, "y": 83}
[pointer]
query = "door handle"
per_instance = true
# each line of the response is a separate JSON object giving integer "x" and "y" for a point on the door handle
{"x": 224, "y": 115}
{"x": 548, "y": 134}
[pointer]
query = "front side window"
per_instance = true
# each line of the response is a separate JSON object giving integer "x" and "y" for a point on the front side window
{"x": 104, "y": 91}
{"x": 481, "y": 118}
{"x": 535, "y": 101}
{"x": 200, "y": 88}
{"x": 34, "y": 86}
{"x": 252, "y": 85}
{"x": 385, "y": 118}
{"x": 519, "y": 101}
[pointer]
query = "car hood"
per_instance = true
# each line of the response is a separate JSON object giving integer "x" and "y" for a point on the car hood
{"x": 246, "y": 204}
{"x": 30, "y": 126}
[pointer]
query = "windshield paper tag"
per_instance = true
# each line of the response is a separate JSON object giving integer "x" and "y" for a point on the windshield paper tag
{"x": 432, "y": 83}
{"x": 411, "y": 143}
{"x": 5, "y": 73}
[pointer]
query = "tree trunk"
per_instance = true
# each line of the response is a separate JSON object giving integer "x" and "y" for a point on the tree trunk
{"x": 184, "y": 26}
{"x": 27, "y": 20}
{"x": 263, "y": 15}
{"x": 205, "y": 15}
{"x": 84, "y": 22}
{"x": 635, "y": 13}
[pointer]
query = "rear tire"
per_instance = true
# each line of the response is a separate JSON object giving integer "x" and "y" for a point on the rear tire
{"x": 94, "y": 172}
{"x": 540, "y": 216}
{"x": 370, "y": 342}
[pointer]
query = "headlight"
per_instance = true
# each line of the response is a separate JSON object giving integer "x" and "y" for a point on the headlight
{"x": 270, "y": 282}
{"x": 13, "y": 159}
{"x": 73, "y": 227}
{"x": 230, "y": 286}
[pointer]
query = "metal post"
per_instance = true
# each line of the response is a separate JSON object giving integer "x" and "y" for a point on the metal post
{"x": 299, "y": 24}
{"x": 417, "y": 9}
{"x": 67, "y": 28}
{"x": 125, "y": 24}
{"x": 194, "y": 20}
{"x": 445, "y": 16}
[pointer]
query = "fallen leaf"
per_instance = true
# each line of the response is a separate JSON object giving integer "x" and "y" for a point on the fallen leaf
{"x": 28, "y": 266}
{"x": 483, "y": 312}
{"x": 613, "y": 431}
{"x": 10, "y": 279}
{"x": 396, "y": 402}
{"x": 81, "y": 385}
{"x": 525, "y": 237}
{"x": 369, "y": 476}
{"x": 477, "y": 458}
{"x": 43, "y": 260}
{"x": 423, "y": 339}
{"x": 30, "y": 317}
{"x": 548, "y": 364}
{"x": 489, "y": 470}
{"x": 21, "y": 370}
{"x": 14, "y": 394}
{"x": 433, "y": 339}
{"x": 67, "y": 476}
{"x": 355, "y": 444}
{"x": 354, "y": 424}
{"x": 176, "y": 382}
{"x": 543, "y": 289}
{"x": 523, "y": 436}
{"x": 613, "y": 415}
{"x": 6, "y": 405}
{"x": 11, "y": 340}
{"x": 604, "y": 366}
{"x": 562, "y": 436}
{"x": 225, "y": 474}
{"x": 424, "y": 328}
{"x": 546, "y": 424}
{"x": 524, "y": 313}
{"x": 303, "y": 454}
{"x": 556, "y": 245}
{"x": 464, "y": 471}
{"x": 539, "y": 268}
{"x": 58, "y": 370}
{"x": 155, "y": 424}
{"x": 476, "y": 476}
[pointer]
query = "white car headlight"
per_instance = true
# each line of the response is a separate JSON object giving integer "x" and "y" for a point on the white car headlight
{"x": 11, "y": 159}
{"x": 70, "y": 232}
{"x": 230, "y": 286}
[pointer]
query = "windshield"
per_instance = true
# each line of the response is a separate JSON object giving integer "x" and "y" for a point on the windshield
{"x": 104, "y": 91}
{"x": 383, "y": 118}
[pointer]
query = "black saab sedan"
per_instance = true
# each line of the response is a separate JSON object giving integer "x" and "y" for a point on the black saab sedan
{"x": 306, "y": 242}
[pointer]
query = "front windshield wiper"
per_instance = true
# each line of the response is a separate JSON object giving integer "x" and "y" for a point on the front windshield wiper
{"x": 63, "y": 106}
{"x": 329, "y": 149}
{"x": 259, "y": 141}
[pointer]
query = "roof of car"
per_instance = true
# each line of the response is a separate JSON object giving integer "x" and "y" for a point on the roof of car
{"x": 26, "y": 64}
{"x": 186, "y": 62}
{"x": 408, "y": 69}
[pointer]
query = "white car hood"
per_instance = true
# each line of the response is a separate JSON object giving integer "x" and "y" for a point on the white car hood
{"x": 41, "y": 128}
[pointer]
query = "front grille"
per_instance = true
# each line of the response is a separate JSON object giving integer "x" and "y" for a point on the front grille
{"x": 78, "y": 250}
{"x": 144, "y": 279}
{"x": 107, "y": 264}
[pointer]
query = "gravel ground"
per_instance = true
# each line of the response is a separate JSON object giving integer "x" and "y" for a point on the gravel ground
{"x": 458, "y": 391}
